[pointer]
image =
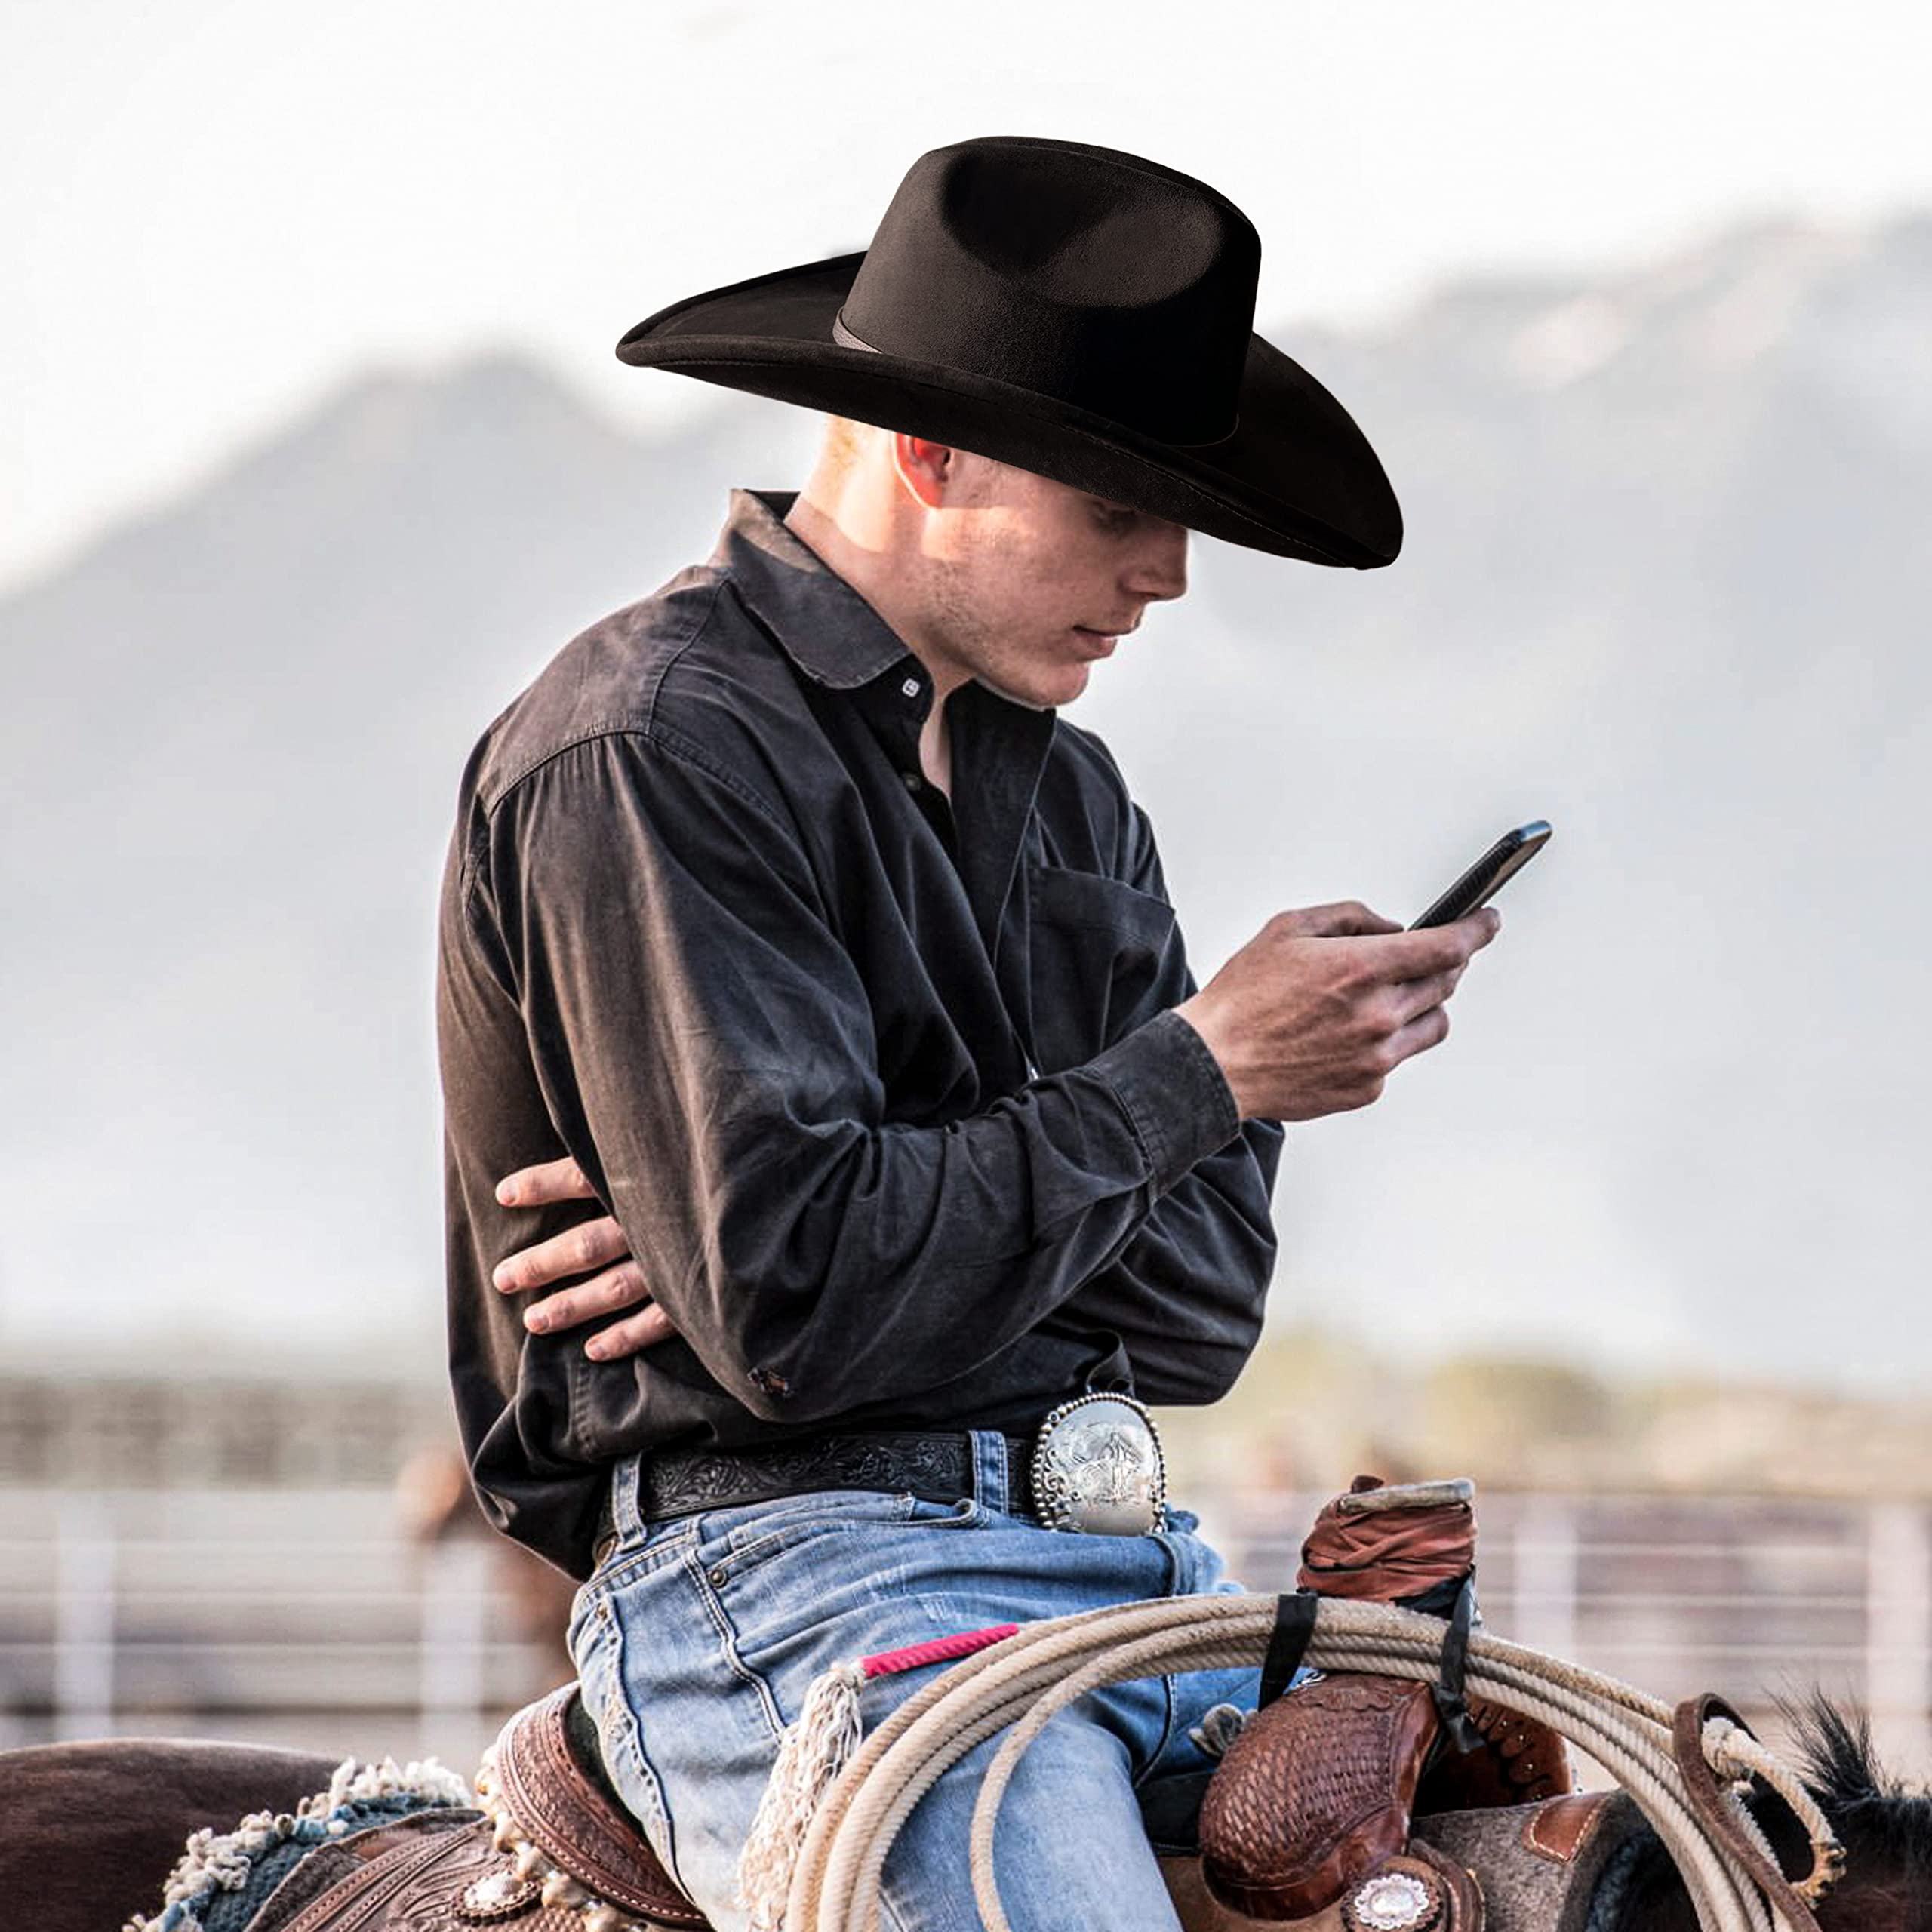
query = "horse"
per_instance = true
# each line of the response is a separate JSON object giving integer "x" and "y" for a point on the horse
{"x": 88, "y": 1831}
{"x": 1886, "y": 1830}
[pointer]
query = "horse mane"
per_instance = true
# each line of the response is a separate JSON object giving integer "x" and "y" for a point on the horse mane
{"x": 1877, "y": 1817}
{"x": 1885, "y": 1828}
{"x": 1836, "y": 1758}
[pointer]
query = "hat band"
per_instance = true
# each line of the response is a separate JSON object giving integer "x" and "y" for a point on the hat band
{"x": 840, "y": 333}
{"x": 844, "y": 337}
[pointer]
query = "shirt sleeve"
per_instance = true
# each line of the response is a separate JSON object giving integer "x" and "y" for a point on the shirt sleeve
{"x": 705, "y": 1048}
{"x": 1187, "y": 1293}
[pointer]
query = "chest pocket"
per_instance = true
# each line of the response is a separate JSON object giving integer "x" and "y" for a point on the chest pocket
{"x": 1100, "y": 952}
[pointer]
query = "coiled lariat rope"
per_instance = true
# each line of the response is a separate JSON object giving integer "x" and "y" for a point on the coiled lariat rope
{"x": 1023, "y": 1681}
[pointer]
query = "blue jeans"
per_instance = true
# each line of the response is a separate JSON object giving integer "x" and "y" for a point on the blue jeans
{"x": 697, "y": 1638}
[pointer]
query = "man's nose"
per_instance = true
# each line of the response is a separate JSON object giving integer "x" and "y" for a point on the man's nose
{"x": 1160, "y": 569}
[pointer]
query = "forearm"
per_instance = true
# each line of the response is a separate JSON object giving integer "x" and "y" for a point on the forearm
{"x": 842, "y": 1264}
{"x": 1187, "y": 1294}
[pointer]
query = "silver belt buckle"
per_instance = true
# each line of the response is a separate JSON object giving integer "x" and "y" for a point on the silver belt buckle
{"x": 1098, "y": 1467}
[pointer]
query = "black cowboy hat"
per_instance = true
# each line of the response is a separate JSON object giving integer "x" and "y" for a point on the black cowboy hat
{"x": 1076, "y": 312}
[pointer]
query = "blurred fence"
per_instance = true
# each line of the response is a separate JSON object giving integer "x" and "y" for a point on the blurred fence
{"x": 294, "y": 1616}
{"x": 306, "y": 1616}
{"x": 1755, "y": 1597}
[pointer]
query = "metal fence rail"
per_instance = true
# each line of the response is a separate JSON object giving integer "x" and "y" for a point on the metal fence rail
{"x": 1756, "y": 1597}
{"x": 303, "y": 1617}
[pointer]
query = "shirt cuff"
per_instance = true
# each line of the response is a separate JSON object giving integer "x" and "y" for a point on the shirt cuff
{"x": 1174, "y": 1092}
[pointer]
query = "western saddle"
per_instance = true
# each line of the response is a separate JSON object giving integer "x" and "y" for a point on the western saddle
{"x": 1308, "y": 1822}
{"x": 1345, "y": 1805}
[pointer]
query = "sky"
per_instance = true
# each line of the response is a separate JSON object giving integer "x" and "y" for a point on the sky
{"x": 215, "y": 214}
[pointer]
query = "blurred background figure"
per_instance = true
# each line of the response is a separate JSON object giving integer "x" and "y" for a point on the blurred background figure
{"x": 437, "y": 1511}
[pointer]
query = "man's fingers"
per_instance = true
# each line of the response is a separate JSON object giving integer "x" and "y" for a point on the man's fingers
{"x": 1342, "y": 917}
{"x": 635, "y": 1332}
{"x": 1410, "y": 997}
{"x": 1415, "y": 955}
{"x": 576, "y": 1251}
{"x": 1426, "y": 1030}
{"x": 616, "y": 1287}
{"x": 540, "y": 1186}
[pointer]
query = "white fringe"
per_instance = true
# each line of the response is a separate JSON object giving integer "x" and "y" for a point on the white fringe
{"x": 1218, "y": 1729}
{"x": 214, "y": 1861}
{"x": 811, "y": 1755}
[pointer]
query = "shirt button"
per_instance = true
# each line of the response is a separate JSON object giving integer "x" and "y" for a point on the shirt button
{"x": 911, "y": 687}
{"x": 912, "y": 779}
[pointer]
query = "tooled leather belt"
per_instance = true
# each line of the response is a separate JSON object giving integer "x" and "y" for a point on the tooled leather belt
{"x": 679, "y": 1482}
{"x": 1095, "y": 1464}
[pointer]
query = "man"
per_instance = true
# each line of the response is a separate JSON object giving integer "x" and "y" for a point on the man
{"x": 787, "y": 921}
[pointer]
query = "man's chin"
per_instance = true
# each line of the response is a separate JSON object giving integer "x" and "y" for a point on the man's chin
{"x": 1048, "y": 693}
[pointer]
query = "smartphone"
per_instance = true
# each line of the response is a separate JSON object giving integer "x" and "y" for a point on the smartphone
{"x": 1481, "y": 882}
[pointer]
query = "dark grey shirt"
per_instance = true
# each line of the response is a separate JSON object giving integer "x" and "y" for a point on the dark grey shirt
{"x": 886, "y": 1093}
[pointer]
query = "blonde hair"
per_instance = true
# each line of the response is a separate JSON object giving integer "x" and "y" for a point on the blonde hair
{"x": 844, "y": 443}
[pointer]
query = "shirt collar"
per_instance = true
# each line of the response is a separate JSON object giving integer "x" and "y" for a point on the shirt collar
{"x": 828, "y": 629}
{"x": 999, "y": 745}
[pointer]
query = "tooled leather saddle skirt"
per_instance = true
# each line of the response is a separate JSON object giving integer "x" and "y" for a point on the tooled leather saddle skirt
{"x": 1308, "y": 1814}
{"x": 550, "y": 1849}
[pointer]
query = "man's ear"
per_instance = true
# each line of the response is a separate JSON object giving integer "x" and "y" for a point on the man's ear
{"x": 927, "y": 470}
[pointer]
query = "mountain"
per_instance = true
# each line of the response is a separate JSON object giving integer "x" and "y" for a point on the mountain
{"x": 1662, "y": 587}
{"x": 232, "y": 736}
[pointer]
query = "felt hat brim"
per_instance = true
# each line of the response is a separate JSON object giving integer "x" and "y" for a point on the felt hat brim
{"x": 1296, "y": 479}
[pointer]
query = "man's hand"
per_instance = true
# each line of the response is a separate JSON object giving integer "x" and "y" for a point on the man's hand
{"x": 593, "y": 1245}
{"x": 1322, "y": 1005}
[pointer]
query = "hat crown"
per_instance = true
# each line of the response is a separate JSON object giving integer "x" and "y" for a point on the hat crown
{"x": 1101, "y": 279}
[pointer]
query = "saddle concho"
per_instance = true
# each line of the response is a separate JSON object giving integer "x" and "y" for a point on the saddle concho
{"x": 1392, "y": 1902}
{"x": 1098, "y": 1469}
{"x": 500, "y": 1893}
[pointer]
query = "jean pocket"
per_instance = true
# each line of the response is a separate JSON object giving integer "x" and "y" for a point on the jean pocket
{"x": 963, "y": 1512}
{"x": 628, "y": 1557}
{"x": 733, "y": 1539}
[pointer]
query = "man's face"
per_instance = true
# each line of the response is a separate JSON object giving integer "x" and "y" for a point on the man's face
{"x": 1030, "y": 581}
